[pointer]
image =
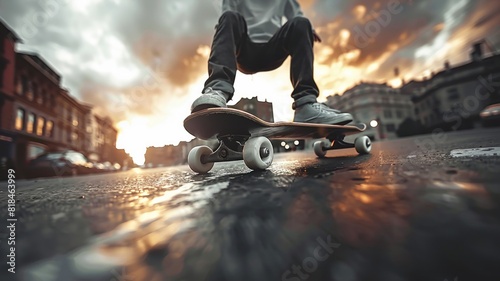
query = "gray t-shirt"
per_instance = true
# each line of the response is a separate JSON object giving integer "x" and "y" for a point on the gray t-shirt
{"x": 264, "y": 17}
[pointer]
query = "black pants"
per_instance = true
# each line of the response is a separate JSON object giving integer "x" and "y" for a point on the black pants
{"x": 232, "y": 49}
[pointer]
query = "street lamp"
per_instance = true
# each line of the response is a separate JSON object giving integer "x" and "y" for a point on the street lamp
{"x": 374, "y": 123}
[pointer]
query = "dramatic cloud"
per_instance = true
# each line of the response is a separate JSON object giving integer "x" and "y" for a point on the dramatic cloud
{"x": 143, "y": 62}
{"x": 375, "y": 37}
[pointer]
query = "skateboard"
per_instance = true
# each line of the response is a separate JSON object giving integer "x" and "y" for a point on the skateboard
{"x": 243, "y": 136}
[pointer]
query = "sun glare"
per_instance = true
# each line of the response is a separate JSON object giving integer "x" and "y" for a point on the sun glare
{"x": 133, "y": 138}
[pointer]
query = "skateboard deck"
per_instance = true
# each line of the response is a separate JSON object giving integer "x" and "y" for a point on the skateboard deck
{"x": 243, "y": 136}
{"x": 217, "y": 122}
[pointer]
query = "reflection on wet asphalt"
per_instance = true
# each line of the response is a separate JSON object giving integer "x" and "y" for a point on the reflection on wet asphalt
{"x": 375, "y": 217}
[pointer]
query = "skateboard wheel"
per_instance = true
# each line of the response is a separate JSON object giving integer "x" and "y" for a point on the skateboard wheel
{"x": 194, "y": 159}
{"x": 258, "y": 153}
{"x": 363, "y": 145}
{"x": 319, "y": 149}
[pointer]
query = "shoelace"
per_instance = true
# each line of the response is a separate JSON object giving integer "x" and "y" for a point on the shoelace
{"x": 209, "y": 89}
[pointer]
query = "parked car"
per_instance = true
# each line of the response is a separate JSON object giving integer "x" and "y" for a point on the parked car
{"x": 59, "y": 164}
{"x": 110, "y": 167}
{"x": 98, "y": 167}
{"x": 491, "y": 115}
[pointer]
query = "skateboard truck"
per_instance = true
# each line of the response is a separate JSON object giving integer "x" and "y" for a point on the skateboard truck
{"x": 230, "y": 148}
{"x": 341, "y": 144}
{"x": 338, "y": 142}
{"x": 362, "y": 145}
{"x": 257, "y": 153}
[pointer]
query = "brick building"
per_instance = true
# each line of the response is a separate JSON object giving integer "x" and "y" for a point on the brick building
{"x": 71, "y": 126}
{"x": 37, "y": 115}
{"x": 106, "y": 136}
{"x": 37, "y": 87}
{"x": 8, "y": 40}
{"x": 261, "y": 109}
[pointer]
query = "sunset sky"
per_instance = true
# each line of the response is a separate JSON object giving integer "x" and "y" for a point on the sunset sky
{"x": 143, "y": 62}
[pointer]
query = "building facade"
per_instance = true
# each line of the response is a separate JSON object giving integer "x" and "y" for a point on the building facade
{"x": 8, "y": 40}
{"x": 171, "y": 155}
{"x": 369, "y": 102}
{"x": 37, "y": 115}
{"x": 261, "y": 109}
{"x": 71, "y": 122}
{"x": 105, "y": 137}
{"x": 453, "y": 98}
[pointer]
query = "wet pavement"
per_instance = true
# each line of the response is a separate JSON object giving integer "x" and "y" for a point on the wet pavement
{"x": 408, "y": 211}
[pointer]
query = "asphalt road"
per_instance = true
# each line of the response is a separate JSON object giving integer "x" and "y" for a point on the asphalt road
{"x": 408, "y": 211}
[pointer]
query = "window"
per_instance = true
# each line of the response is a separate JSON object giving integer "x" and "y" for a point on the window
{"x": 23, "y": 85}
{"x": 49, "y": 127}
{"x": 30, "y": 126}
{"x": 248, "y": 107}
{"x": 35, "y": 90}
{"x": 40, "y": 124}
{"x": 75, "y": 121}
{"x": 29, "y": 91}
{"x": 390, "y": 128}
{"x": 19, "y": 86}
{"x": 76, "y": 158}
{"x": 387, "y": 113}
{"x": 20, "y": 119}
{"x": 40, "y": 96}
{"x": 399, "y": 114}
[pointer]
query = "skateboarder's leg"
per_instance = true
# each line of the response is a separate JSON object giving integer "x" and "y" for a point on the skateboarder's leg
{"x": 298, "y": 41}
{"x": 295, "y": 38}
{"x": 230, "y": 32}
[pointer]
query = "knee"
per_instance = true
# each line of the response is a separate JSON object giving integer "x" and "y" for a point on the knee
{"x": 230, "y": 16}
{"x": 301, "y": 23}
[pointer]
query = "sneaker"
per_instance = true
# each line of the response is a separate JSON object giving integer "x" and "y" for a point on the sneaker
{"x": 325, "y": 107}
{"x": 210, "y": 98}
{"x": 320, "y": 114}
